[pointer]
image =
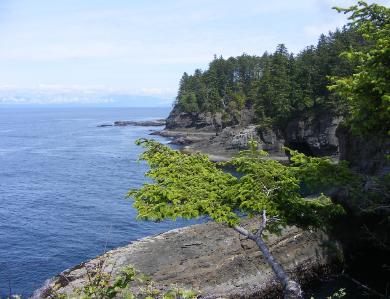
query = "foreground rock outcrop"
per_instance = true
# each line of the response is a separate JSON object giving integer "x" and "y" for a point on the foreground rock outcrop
{"x": 213, "y": 259}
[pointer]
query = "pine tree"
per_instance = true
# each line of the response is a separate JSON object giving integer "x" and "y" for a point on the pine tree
{"x": 190, "y": 186}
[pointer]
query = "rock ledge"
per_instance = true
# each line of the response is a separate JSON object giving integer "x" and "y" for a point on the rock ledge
{"x": 212, "y": 259}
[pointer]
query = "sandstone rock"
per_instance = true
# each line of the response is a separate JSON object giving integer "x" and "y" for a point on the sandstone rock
{"x": 271, "y": 141}
{"x": 313, "y": 135}
{"x": 208, "y": 121}
{"x": 212, "y": 259}
{"x": 238, "y": 137}
{"x": 204, "y": 121}
{"x": 310, "y": 134}
{"x": 185, "y": 140}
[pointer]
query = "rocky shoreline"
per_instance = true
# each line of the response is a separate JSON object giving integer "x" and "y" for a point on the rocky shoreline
{"x": 313, "y": 134}
{"x": 214, "y": 260}
{"x": 218, "y": 146}
{"x": 201, "y": 133}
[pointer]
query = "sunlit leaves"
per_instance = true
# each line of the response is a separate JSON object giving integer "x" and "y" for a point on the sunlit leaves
{"x": 190, "y": 186}
{"x": 368, "y": 88}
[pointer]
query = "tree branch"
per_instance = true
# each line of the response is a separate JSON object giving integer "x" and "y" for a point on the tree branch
{"x": 244, "y": 232}
{"x": 263, "y": 224}
{"x": 267, "y": 190}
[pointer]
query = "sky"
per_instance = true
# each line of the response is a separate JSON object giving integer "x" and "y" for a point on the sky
{"x": 143, "y": 47}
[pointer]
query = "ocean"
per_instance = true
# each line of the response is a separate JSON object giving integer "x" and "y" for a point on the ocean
{"x": 63, "y": 182}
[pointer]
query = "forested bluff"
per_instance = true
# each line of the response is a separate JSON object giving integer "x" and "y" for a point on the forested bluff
{"x": 322, "y": 102}
{"x": 286, "y": 100}
{"x": 280, "y": 99}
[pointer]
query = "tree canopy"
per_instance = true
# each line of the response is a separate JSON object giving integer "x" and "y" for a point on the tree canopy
{"x": 367, "y": 90}
{"x": 353, "y": 61}
{"x": 278, "y": 86}
{"x": 190, "y": 186}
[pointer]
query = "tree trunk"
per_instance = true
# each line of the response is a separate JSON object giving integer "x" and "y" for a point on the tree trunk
{"x": 291, "y": 288}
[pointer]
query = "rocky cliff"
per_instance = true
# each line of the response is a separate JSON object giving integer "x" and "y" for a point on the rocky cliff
{"x": 318, "y": 134}
{"x": 365, "y": 154}
{"x": 207, "y": 120}
{"x": 214, "y": 260}
{"x": 313, "y": 134}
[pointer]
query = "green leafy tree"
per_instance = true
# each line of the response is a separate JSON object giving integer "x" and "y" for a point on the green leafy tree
{"x": 277, "y": 86}
{"x": 368, "y": 88}
{"x": 190, "y": 186}
{"x": 189, "y": 102}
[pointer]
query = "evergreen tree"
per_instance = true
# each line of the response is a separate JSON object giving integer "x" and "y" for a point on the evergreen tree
{"x": 277, "y": 86}
{"x": 190, "y": 186}
{"x": 368, "y": 88}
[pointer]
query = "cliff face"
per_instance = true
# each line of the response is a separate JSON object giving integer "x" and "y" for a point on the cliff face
{"x": 213, "y": 259}
{"x": 312, "y": 134}
{"x": 365, "y": 154}
{"x": 208, "y": 121}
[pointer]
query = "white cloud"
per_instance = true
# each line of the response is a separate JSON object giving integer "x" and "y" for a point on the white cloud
{"x": 157, "y": 91}
{"x": 145, "y": 46}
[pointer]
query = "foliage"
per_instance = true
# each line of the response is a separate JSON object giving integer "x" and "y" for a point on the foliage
{"x": 277, "y": 85}
{"x": 100, "y": 286}
{"x": 339, "y": 294}
{"x": 368, "y": 88}
{"x": 322, "y": 173}
{"x": 347, "y": 73}
{"x": 129, "y": 284}
{"x": 190, "y": 186}
{"x": 186, "y": 186}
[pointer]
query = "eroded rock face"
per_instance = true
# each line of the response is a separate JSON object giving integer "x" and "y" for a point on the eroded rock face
{"x": 366, "y": 154}
{"x": 237, "y": 137}
{"x": 207, "y": 120}
{"x": 204, "y": 121}
{"x": 212, "y": 259}
{"x": 313, "y": 135}
{"x": 271, "y": 140}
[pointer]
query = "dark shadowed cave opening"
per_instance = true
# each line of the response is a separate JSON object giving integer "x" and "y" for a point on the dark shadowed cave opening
{"x": 301, "y": 147}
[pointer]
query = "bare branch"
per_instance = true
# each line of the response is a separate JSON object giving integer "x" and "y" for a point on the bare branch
{"x": 244, "y": 232}
{"x": 263, "y": 224}
{"x": 267, "y": 190}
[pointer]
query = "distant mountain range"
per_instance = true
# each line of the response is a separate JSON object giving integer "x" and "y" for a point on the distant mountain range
{"x": 79, "y": 98}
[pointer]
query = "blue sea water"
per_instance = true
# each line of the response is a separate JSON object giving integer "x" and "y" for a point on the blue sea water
{"x": 62, "y": 186}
